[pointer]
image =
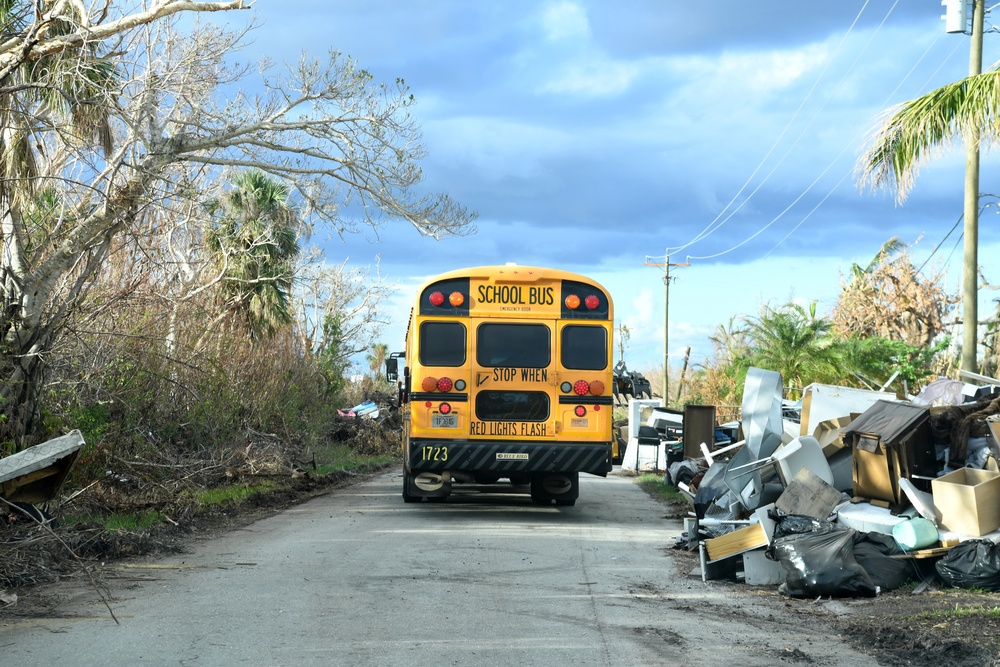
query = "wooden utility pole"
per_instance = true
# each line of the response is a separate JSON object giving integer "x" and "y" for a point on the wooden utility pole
{"x": 654, "y": 261}
{"x": 970, "y": 263}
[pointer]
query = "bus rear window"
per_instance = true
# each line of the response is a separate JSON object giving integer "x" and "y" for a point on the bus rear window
{"x": 513, "y": 345}
{"x": 442, "y": 344}
{"x": 521, "y": 406}
{"x": 584, "y": 348}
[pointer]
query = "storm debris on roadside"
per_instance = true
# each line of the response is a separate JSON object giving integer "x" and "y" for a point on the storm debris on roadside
{"x": 849, "y": 492}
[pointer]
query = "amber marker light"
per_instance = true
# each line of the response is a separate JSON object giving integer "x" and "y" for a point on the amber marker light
{"x": 597, "y": 388}
{"x": 429, "y": 384}
{"x": 456, "y": 299}
{"x": 572, "y": 302}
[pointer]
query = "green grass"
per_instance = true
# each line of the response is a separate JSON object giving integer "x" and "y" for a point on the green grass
{"x": 654, "y": 486}
{"x": 960, "y": 612}
{"x": 232, "y": 493}
{"x": 129, "y": 522}
{"x": 341, "y": 457}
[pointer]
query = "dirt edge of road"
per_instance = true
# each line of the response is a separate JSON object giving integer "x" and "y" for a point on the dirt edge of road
{"x": 942, "y": 625}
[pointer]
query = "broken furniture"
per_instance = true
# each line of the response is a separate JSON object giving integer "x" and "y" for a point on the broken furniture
{"x": 35, "y": 475}
{"x": 890, "y": 441}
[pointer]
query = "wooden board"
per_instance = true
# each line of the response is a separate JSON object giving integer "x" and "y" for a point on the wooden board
{"x": 744, "y": 539}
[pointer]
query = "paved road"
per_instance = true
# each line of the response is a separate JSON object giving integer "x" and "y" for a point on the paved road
{"x": 358, "y": 578}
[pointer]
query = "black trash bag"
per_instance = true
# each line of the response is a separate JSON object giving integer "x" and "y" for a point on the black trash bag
{"x": 873, "y": 552}
{"x": 971, "y": 564}
{"x": 796, "y": 524}
{"x": 821, "y": 564}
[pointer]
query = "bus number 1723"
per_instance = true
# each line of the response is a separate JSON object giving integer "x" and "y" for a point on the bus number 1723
{"x": 430, "y": 453}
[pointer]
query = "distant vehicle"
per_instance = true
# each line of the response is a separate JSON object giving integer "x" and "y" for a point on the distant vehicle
{"x": 506, "y": 374}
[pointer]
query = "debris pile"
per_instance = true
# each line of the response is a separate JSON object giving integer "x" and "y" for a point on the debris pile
{"x": 852, "y": 493}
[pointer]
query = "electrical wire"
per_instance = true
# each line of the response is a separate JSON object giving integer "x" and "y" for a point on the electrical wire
{"x": 712, "y": 227}
{"x": 908, "y": 75}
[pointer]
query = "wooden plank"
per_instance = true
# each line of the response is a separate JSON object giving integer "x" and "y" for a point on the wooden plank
{"x": 744, "y": 539}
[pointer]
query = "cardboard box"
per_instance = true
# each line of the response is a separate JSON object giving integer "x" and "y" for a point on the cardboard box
{"x": 968, "y": 501}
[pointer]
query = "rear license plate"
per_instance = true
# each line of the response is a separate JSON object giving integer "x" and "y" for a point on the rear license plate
{"x": 444, "y": 421}
{"x": 579, "y": 423}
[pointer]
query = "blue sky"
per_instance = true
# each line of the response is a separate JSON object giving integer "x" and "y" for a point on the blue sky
{"x": 588, "y": 134}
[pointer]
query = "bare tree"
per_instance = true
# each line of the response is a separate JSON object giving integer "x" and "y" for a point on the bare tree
{"x": 324, "y": 128}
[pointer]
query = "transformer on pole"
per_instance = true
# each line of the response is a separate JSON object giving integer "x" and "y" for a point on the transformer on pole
{"x": 956, "y": 15}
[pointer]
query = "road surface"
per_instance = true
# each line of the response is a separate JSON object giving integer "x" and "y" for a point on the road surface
{"x": 360, "y": 578}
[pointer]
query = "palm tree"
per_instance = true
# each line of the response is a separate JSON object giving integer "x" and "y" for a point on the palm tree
{"x": 968, "y": 109}
{"x": 794, "y": 342}
{"x": 913, "y": 130}
{"x": 254, "y": 237}
{"x": 376, "y": 358}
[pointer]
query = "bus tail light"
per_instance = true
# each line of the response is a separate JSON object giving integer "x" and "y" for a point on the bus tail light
{"x": 592, "y": 302}
{"x": 580, "y": 411}
{"x": 436, "y": 298}
{"x": 445, "y": 408}
{"x": 444, "y": 384}
{"x": 429, "y": 384}
{"x": 581, "y": 388}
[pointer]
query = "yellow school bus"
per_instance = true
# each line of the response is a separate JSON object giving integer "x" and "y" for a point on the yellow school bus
{"x": 506, "y": 375}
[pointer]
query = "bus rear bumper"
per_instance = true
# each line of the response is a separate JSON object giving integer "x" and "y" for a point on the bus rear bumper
{"x": 504, "y": 458}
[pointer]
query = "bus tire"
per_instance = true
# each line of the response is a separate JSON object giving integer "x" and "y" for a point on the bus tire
{"x": 407, "y": 498}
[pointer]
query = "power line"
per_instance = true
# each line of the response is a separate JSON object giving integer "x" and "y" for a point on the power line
{"x": 712, "y": 227}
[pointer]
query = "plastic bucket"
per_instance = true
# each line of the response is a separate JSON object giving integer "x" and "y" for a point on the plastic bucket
{"x": 916, "y": 533}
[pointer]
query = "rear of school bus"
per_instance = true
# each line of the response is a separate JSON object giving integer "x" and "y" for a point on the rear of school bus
{"x": 507, "y": 376}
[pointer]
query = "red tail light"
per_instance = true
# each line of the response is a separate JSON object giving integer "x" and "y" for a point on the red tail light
{"x": 591, "y": 302}
{"x": 445, "y": 408}
{"x": 444, "y": 384}
{"x": 581, "y": 388}
{"x": 579, "y": 411}
{"x": 436, "y": 298}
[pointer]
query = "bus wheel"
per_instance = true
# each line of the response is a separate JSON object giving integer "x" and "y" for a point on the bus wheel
{"x": 407, "y": 498}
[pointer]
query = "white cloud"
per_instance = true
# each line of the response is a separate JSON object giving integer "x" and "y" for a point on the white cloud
{"x": 565, "y": 21}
